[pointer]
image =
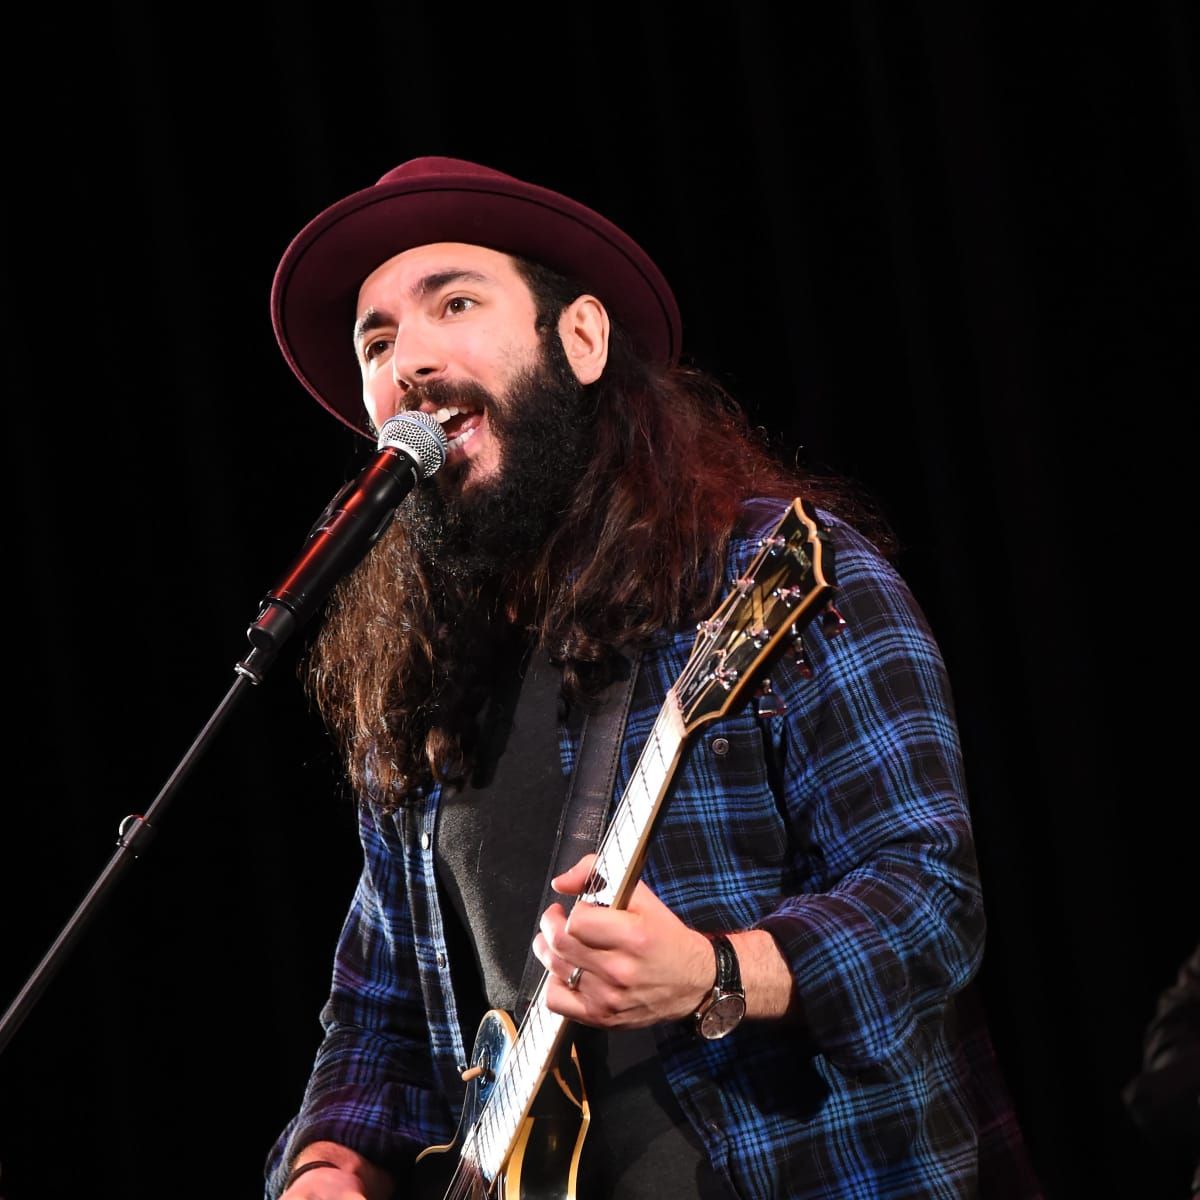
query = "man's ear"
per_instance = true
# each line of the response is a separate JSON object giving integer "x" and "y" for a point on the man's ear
{"x": 584, "y": 328}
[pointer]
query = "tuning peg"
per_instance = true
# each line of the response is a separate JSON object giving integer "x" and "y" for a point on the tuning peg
{"x": 769, "y": 702}
{"x": 773, "y": 545}
{"x": 726, "y": 676}
{"x": 789, "y": 595}
{"x": 800, "y": 654}
{"x": 832, "y": 621}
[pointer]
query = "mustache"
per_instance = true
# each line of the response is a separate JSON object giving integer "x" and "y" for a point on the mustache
{"x": 444, "y": 393}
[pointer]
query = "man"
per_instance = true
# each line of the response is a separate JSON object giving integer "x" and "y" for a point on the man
{"x": 596, "y": 502}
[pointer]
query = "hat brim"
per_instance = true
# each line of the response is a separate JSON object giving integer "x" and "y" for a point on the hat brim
{"x": 315, "y": 289}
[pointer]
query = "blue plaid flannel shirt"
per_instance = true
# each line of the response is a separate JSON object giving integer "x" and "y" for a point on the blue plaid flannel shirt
{"x": 841, "y": 827}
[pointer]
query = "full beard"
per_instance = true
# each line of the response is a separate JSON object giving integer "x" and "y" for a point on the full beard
{"x": 478, "y": 539}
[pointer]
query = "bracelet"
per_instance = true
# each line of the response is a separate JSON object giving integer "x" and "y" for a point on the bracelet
{"x": 308, "y": 1166}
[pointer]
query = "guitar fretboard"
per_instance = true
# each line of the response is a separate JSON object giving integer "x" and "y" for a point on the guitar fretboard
{"x": 618, "y": 865}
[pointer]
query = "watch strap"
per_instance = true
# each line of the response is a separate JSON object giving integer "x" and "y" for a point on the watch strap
{"x": 729, "y": 972}
{"x": 728, "y": 981}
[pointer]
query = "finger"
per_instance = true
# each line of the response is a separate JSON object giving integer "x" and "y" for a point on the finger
{"x": 552, "y": 920}
{"x": 574, "y": 880}
{"x": 559, "y": 970}
{"x": 557, "y": 949}
{"x": 592, "y": 1001}
{"x": 567, "y": 1001}
{"x": 557, "y": 967}
{"x": 593, "y": 927}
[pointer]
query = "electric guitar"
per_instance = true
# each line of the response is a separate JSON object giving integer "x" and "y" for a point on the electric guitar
{"x": 521, "y": 1132}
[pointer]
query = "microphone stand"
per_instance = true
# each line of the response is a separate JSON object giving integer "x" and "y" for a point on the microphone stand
{"x": 135, "y": 831}
{"x": 412, "y": 447}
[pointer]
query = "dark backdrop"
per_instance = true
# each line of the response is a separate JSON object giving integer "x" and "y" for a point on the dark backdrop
{"x": 952, "y": 255}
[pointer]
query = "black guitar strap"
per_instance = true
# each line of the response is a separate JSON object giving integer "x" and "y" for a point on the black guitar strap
{"x": 585, "y": 810}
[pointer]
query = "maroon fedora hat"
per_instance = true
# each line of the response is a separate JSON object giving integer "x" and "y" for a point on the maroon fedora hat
{"x": 448, "y": 200}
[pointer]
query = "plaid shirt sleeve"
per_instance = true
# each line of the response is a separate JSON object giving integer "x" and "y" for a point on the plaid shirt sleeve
{"x": 887, "y": 920}
{"x": 372, "y": 1084}
{"x": 856, "y": 852}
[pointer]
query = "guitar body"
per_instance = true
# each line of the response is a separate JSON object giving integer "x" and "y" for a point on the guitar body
{"x": 544, "y": 1163}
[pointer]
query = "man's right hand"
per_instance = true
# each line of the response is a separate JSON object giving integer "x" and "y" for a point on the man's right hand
{"x": 346, "y": 1176}
{"x": 326, "y": 1183}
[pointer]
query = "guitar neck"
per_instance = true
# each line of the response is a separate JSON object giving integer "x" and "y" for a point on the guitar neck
{"x": 618, "y": 866}
{"x": 619, "y": 859}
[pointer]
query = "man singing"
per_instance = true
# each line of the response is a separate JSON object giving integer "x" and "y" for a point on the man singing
{"x": 779, "y": 1008}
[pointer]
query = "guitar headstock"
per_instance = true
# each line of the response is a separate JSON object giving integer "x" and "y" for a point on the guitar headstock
{"x": 787, "y": 583}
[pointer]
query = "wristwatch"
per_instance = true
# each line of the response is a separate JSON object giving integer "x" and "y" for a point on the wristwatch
{"x": 721, "y": 1010}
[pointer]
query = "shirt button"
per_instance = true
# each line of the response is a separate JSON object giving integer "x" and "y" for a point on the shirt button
{"x": 424, "y": 841}
{"x": 720, "y": 746}
{"x": 441, "y": 960}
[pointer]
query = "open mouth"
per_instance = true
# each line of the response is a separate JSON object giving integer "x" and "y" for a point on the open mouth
{"x": 458, "y": 424}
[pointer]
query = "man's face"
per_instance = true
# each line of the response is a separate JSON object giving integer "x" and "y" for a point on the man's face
{"x": 446, "y": 315}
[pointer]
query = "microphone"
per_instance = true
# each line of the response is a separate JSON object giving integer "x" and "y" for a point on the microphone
{"x": 412, "y": 447}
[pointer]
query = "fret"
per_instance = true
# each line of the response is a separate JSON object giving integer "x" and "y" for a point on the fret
{"x": 654, "y": 747}
{"x": 641, "y": 798}
{"x": 505, "y": 1085}
{"x": 606, "y": 868}
{"x": 486, "y": 1142}
{"x": 631, "y": 821}
{"x": 621, "y": 834}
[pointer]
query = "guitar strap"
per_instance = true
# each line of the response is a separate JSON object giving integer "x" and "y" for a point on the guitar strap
{"x": 589, "y": 795}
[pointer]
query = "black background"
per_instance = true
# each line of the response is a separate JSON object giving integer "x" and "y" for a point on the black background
{"x": 950, "y": 253}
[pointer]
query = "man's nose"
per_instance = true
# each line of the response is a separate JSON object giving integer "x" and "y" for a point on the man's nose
{"x": 415, "y": 360}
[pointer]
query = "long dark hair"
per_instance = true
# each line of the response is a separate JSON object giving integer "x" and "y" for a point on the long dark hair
{"x": 400, "y": 666}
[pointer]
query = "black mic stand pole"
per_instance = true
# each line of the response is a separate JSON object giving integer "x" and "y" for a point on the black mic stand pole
{"x": 135, "y": 831}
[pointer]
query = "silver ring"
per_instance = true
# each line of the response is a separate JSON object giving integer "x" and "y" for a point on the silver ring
{"x": 574, "y": 978}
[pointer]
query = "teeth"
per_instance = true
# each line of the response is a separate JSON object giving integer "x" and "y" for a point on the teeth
{"x": 444, "y": 414}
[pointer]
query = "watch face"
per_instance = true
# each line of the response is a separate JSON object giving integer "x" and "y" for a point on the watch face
{"x": 722, "y": 1016}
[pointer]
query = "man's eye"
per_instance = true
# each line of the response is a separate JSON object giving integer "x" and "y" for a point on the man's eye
{"x": 374, "y": 348}
{"x": 459, "y": 304}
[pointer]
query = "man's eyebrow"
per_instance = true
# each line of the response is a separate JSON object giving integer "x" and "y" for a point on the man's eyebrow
{"x": 370, "y": 320}
{"x": 439, "y": 279}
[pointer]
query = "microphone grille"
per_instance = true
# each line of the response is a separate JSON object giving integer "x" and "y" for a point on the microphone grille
{"x": 420, "y": 436}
